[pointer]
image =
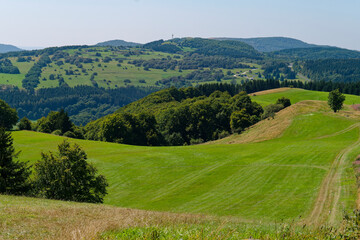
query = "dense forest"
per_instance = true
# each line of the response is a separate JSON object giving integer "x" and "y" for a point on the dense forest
{"x": 83, "y": 103}
{"x": 207, "y": 47}
{"x": 336, "y": 70}
{"x": 271, "y": 44}
{"x": 314, "y": 53}
{"x": 6, "y": 66}
{"x": 179, "y": 116}
{"x": 193, "y": 61}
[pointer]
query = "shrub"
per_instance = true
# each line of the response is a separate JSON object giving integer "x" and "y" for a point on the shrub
{"x": 196, "y": 141}
{"x": 57, "y": 132}
{"x": 284, "y": 101}
{"x": 25, "y": 124}
{"x": 69, "y": 134}
{"x": 270, "y": 110}
{"x": 67, "y": 176}
{"x": 239, "y": 120}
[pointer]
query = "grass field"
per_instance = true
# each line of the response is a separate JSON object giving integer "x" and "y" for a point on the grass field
{"x": 296, "y": 95}
{"x": 265, "y": 181}
{"x": 302, "y": 172}
{"x": 11, "y": 79}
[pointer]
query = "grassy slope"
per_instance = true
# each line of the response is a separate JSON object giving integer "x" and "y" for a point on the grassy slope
{"x": 296, "y": 95}
{"x": 265, "y": 181}
{"x": 110, "y": 75}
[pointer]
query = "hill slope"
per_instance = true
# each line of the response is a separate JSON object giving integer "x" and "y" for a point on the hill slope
{"x": 270, "y": 44}
{"x": 4, "y": 48}
{"x": 118, "y": 43}
{"x": 316, "y": 53}
{"x": 244, "y": 181}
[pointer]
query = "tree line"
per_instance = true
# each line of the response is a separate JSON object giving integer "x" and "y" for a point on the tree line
{"x": 194, "y": 61}
{"x": 335, "y": 70}
{"x": 6, "y": 66}
{"x": 83, "y": 103}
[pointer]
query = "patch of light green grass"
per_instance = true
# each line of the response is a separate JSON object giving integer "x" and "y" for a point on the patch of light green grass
{"x": 297, "y": 95}
{"x": 12, "y": 79}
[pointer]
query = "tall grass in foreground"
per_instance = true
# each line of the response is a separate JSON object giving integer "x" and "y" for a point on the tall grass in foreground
{"x": 349, "y": 229}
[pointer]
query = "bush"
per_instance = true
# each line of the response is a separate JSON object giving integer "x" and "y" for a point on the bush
{"x": 270, "y": 110}
{"x": 67, "y": 176}
{"x": 25, "y": 124}
{"x": 196, "y": 141}
{"x": 239, "y": 120}
{"x": 284, "y": 101}
{"x": 57, "y": 132}
{"x": 69, "y": 134}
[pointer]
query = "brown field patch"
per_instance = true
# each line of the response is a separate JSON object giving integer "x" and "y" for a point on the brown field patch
{"x": 275, "y": 90}
{"x": 28, "y": 218}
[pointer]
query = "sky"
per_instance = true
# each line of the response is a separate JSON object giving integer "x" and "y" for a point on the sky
{"x": 45, "y": 23}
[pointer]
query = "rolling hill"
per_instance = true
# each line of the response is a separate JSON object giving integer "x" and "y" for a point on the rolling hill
{"x": 315, "y": 53}
{"x": 117, "y": 43}
{"x": 4, "y": 48}
{"x": 193, "y": 179}
{"x": 295, "y": 167}
{"x": 270, "y": 44}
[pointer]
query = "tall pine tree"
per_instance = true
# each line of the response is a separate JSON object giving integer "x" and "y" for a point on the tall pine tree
{"x": 13, "y": 174}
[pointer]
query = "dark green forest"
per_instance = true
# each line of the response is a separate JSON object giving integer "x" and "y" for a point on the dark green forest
{"x": 336, "y": 70}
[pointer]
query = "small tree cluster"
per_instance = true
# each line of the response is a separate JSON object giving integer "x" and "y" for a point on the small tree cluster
{"x": 65, "y": 175}
{"x": 271, "y": 109}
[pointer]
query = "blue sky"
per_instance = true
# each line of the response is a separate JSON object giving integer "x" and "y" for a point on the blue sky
{"x": 68, "y": 22}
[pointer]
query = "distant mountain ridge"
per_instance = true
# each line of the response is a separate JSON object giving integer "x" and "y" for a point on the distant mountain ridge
{"x": 118, "y": 43}
{"x": 4, "y": 48}
{"x": 314, "y": 53}
{"x": 271, "y": 44}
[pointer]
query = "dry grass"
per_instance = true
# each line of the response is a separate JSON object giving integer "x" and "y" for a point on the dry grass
{"x": 273, "y": 128}
{"x": 27, "y": 218}
{"x": 276, "y": 90}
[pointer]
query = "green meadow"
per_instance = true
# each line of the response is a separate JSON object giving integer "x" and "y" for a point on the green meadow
{"x": 270, "y": 189}
{"x": 296, "y": 95}
{"x": 11, "y": 79}
{"x": 267, "y": 181}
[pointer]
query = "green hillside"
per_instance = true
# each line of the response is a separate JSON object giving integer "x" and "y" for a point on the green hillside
{"x": 296, "y": 95}
{"x": 243, "y": 180}
{"x": 270, "y": 44}
{"x": 296, "y": 168}
{"x": 118, "y": 43}
{"x": 315, "y": 53}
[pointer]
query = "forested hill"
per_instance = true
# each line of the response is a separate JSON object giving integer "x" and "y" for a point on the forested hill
{"x": 208, "y": 47}
{"x": 315, "y": 53}
{"x": 118, "y": 43}
{"x": 4, "y": 48}
{"x": 336, "y": 70}
{"x": 270, "y": 44}
{"x": 179, "y": 116}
